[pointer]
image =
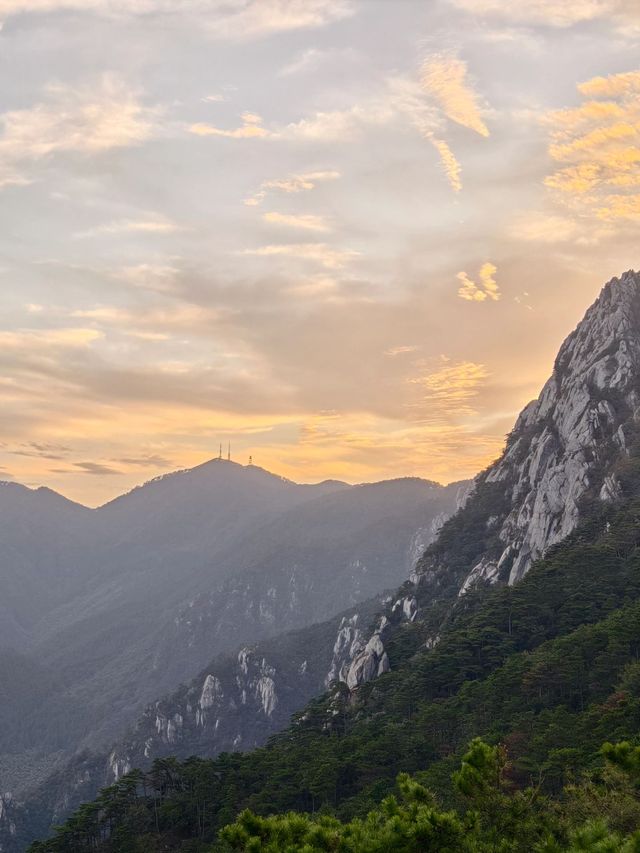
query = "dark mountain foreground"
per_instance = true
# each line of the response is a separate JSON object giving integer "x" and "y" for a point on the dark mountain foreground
{"x": 546, "y": 669}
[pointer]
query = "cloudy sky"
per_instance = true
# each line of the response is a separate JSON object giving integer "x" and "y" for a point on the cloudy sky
{"x": 347, "y": 235}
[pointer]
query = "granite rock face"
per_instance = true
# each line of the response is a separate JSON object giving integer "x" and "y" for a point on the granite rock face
{"x": 370, "y": 662}
{"x": 564, "y": 452}
{"x": 565, "y": 444}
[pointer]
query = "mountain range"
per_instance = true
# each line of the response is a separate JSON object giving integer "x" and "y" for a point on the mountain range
{"x": 110, "y": 609}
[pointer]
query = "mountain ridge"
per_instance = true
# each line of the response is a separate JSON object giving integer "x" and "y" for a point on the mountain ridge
{"x": 145, "y": 618}
{"x": 566, "y": 450}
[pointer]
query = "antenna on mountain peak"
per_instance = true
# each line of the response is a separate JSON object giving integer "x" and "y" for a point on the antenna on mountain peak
{"x": 220, "y": 456}
{"x": 229, "y": 453}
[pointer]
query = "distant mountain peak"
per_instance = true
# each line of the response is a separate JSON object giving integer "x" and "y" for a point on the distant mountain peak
{"x": 38, "y": 493}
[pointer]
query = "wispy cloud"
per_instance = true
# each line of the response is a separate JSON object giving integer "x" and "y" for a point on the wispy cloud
{"x": 306, "y": 61}
{"x": 292, "y": 184}
{"x": 401, "y": 350}
{"x": 319, "y": 253}
{"x": 153, "y": 224}
{"x": 157, "y": 323}
{"x": 549, "y": 12}
{"x": 539, "y": 227}
{"x": 157, "y": 277}
{"x": 312, "y": 58}
{"x": 44, "y": 339}
{"x": 151, "y": 461}
{"x": 98, "y": 469}
{"x": 240, "y": 20}
{"x": 364, "y": 444}
{"x": 485, "y": 288}
{"x": 542, "y": 227}
{"x": 597, "y": 145}
{"x": 450, "y": 164}
{"x": 40, "y": 450}
{"x": 87, "y": 120}
{"x": 339, "y": 125}
{"x": 445, "y": 78}
{"x": 251, "y": 128}
{"x": 449, "y": 389}
{"x": 306, "y": 222}
{"x": 258, "y": 18}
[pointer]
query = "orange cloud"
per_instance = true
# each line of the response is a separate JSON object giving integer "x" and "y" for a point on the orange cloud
{"x": 450, "y": 164}
{"x": 319, "y": 253}
{"x": 551, "y": 12}
{"x": 612, "y": 86}
{"x": 487, "y": 287}
{"x": 292, "y": 184}
{"x": 307, "y": 222}
{"x": 444, "y": 77}
{"x": 446, "y": 392}
{"x": 251, "y": 128}
{"x": 597, "y": 145}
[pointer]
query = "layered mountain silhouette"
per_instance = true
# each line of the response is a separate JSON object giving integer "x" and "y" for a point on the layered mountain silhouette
{"x": 103, "y": 611}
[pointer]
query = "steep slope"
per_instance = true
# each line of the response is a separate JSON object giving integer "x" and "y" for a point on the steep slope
{"x": 568, "y": 449}
{"x": 549, "y": 667}
{"x": 564, "y": 446}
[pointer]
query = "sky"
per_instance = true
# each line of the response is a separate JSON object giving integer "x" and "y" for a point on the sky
{"x": 347, "y": 236}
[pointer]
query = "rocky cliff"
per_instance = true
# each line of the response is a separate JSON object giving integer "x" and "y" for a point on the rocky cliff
{"x": 239, "y": 700}
{"x": 567, "y": 450}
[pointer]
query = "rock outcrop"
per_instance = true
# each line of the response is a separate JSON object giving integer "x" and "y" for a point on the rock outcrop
{"x": 239, "y": 700}
{"x": 370, "y": 662}
{"x": 565, "y": 444}
{"x": 350, "y": 641}
{"x": 6, "y": 819}
{"x": 566, "y": 451}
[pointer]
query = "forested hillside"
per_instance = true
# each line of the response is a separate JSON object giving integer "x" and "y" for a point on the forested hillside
{"x": 549, "y": 669}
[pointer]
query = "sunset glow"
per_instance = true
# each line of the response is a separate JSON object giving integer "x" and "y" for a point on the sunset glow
{"x": 346, "y": 236}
